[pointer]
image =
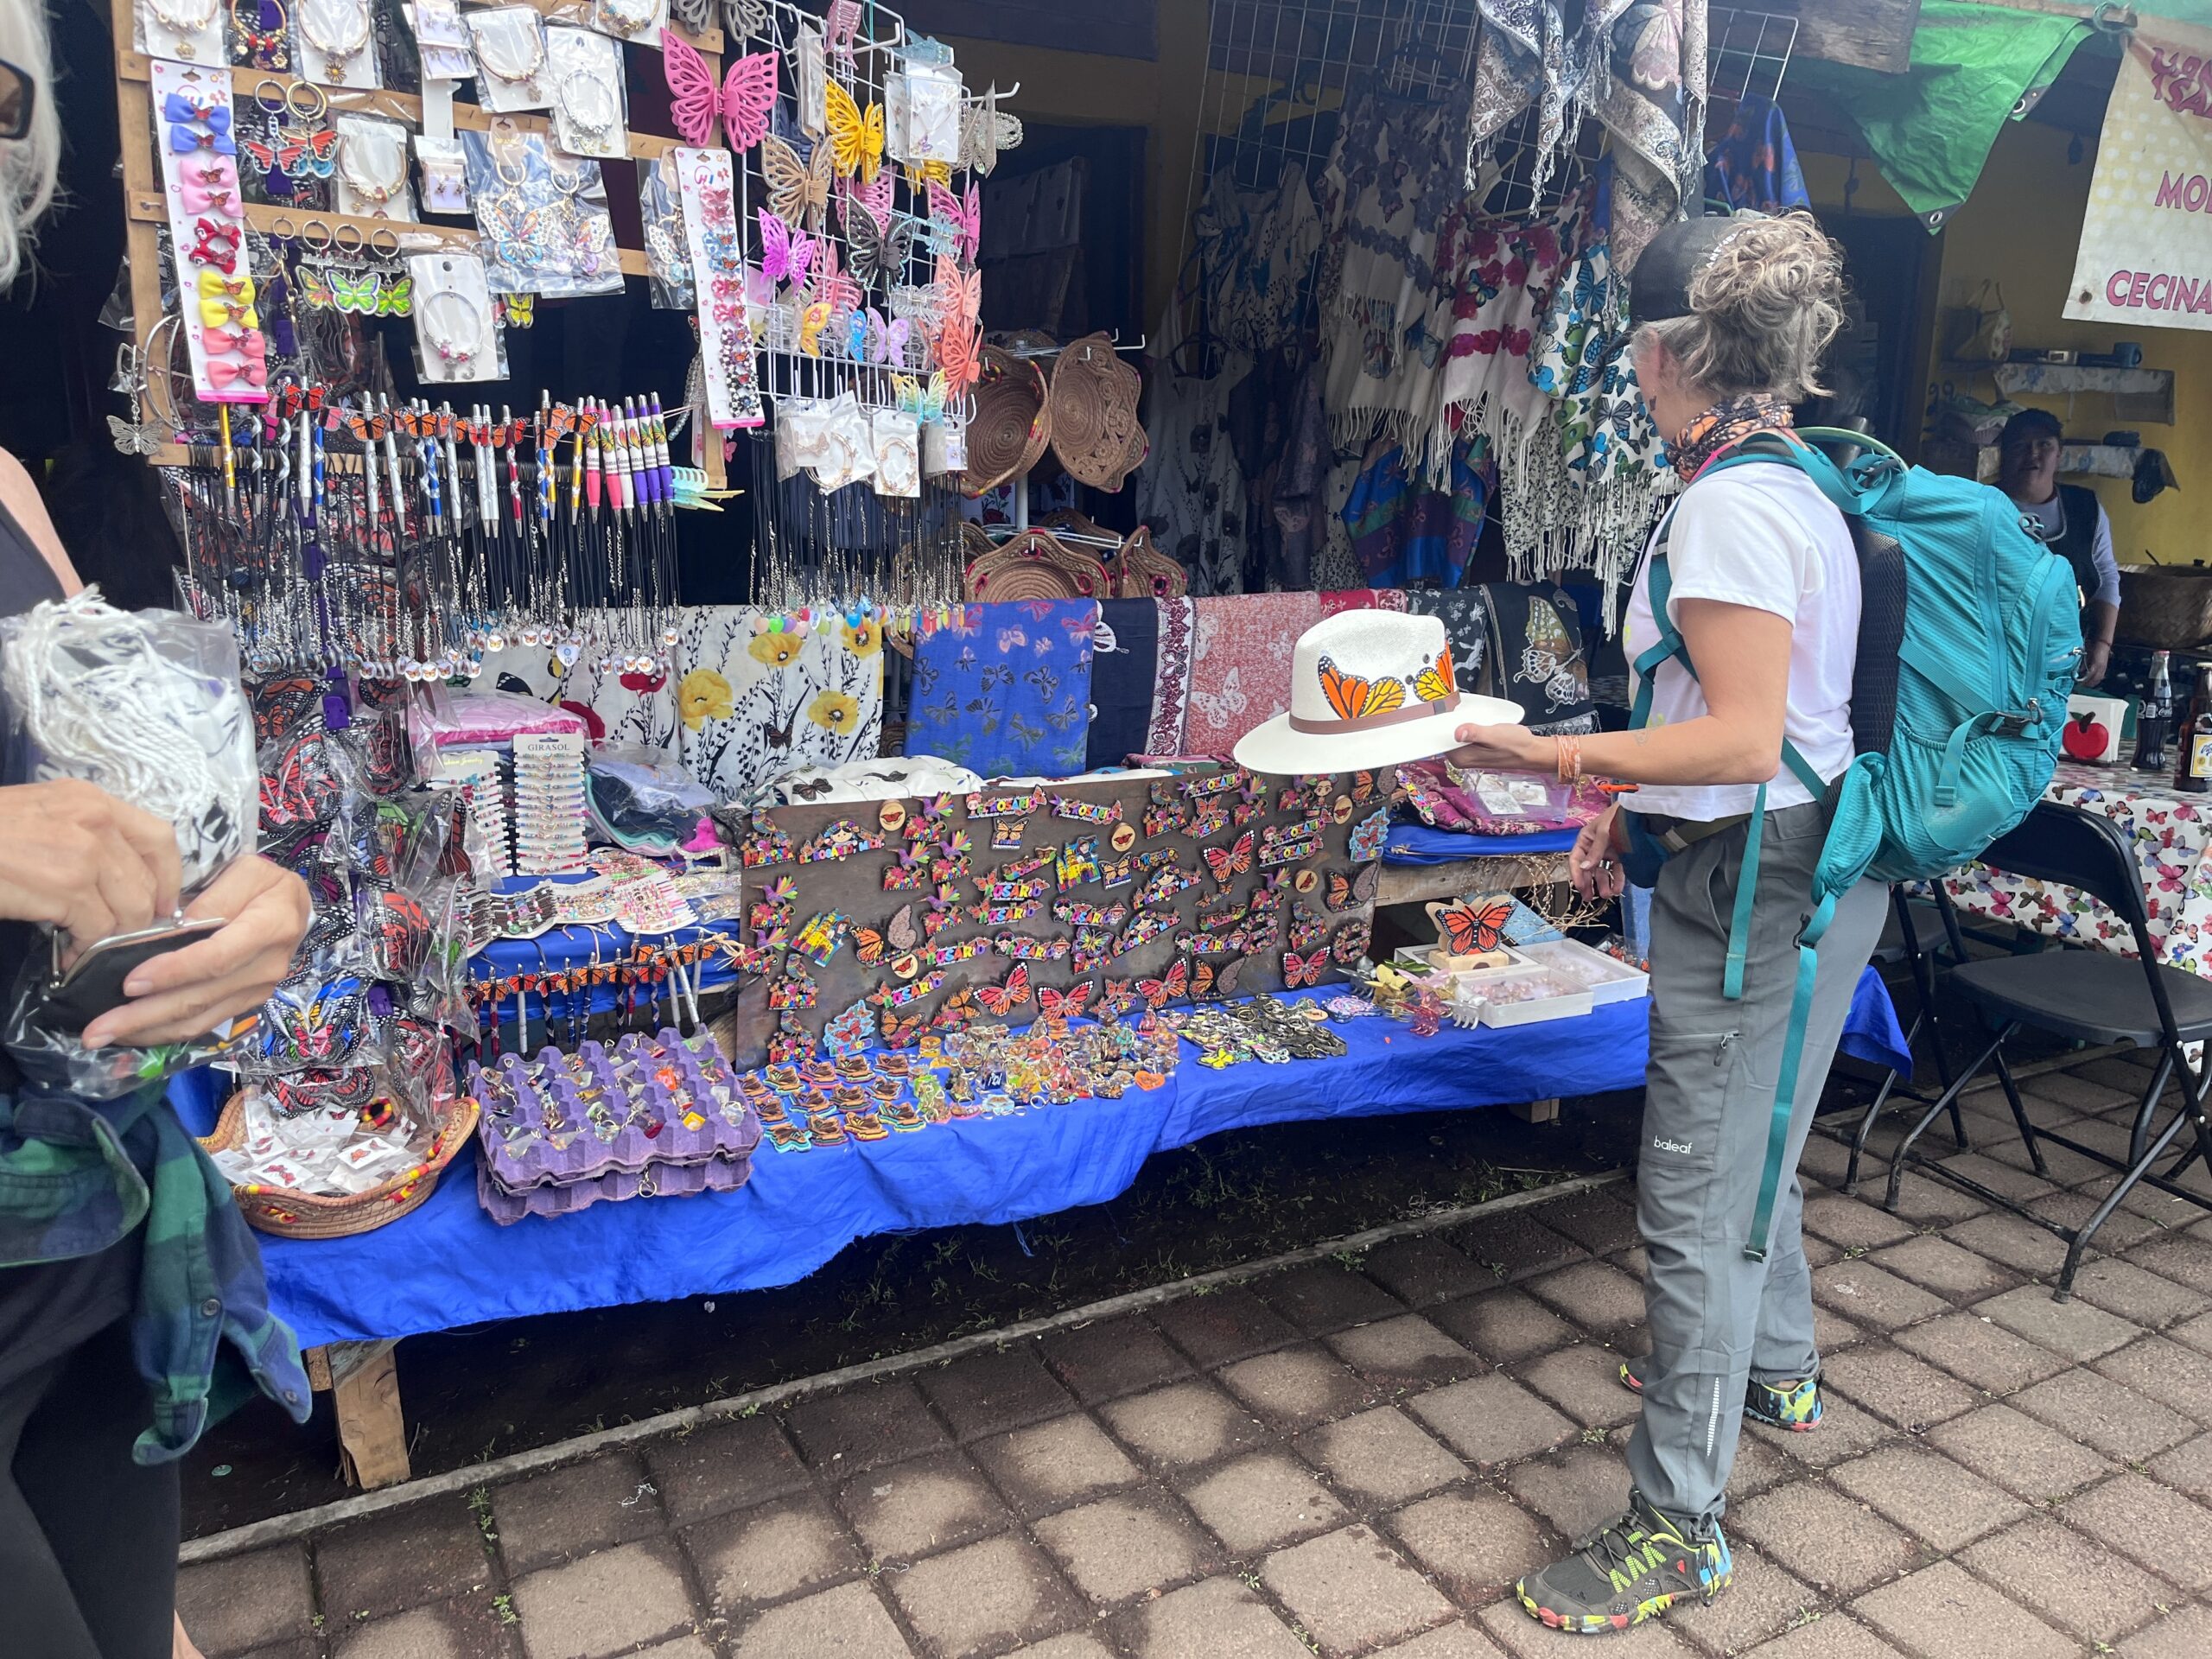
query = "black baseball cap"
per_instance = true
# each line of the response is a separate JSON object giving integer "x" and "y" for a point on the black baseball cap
{"x": 1659, "y": 290}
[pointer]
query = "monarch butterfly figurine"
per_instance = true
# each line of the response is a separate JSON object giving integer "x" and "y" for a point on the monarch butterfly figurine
{"x": 1471, "y": 932}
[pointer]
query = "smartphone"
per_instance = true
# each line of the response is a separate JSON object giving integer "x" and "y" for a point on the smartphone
{"x": 94, "y": 984}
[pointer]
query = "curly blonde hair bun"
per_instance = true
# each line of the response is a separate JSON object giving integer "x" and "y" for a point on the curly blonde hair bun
{"x": 1764, "y": 309}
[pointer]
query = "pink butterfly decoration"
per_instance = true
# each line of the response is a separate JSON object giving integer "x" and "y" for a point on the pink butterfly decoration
{"x": 876, "y": 198}
{"x": 841, "y": 25}
{"x": 743, "y": 102}
{"x": 965, "y": 216}
{"x": 832, "y": 285}
{"x": 785, "y": 256}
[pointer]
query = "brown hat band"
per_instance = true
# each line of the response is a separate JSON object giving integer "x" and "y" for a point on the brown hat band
{"x": 1375, "y": 722}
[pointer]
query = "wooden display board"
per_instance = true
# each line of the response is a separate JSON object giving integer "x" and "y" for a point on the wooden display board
{"x": 145, "y": 212}
{"x": 852, "y": 889}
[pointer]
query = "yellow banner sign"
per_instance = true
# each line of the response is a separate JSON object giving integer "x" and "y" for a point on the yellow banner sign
{"x": 2146, "y": 257}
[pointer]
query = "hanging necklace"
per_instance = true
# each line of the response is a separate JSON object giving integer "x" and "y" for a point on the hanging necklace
{"x": 590, "y": 116}
{"x": 382, "y": 185}
{"x": 184, "y": 24}
{"x": 338, "y": 47}
{"x": 628, "y": 17}
{"x": 519, "y": 69}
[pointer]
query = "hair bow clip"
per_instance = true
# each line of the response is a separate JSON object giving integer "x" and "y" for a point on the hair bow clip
{"x": 222, "y": 313}
{"x": 217, "y": 245}
{"x": 236, "y": 339}
{"x": 209, "y": 106}
{"x": 224, "y": 200}
{"x": 253, "y": 373}
{"x": 215, "y": 285}
{"x": 183, "y": 140}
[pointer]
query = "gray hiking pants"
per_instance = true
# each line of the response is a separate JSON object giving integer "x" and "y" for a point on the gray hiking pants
{"x": 1717, "y": 1317}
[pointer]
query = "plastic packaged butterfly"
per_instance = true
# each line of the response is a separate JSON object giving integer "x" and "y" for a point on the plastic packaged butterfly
{"x": 743, "y": 102}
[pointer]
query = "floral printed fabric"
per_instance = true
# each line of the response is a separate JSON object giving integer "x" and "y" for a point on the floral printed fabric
{"x": 1755, "y": 163}
{"x": 1005, "y": 690}
{"x": 2169, "y": 832}
{"x": 1240, "y": 665}
{"x": 752, "y": 705}
{"x": 1503, "y": 276}
{"x": 1171, "y": 681}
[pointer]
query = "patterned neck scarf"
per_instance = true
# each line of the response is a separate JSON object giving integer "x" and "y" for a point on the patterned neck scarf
{"x": 1730, "y": 421}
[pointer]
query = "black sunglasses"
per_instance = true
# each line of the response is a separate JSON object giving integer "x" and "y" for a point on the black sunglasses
{"x": 18, "y": 98}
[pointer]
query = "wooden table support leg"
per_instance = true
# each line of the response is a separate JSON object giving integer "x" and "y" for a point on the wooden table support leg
{"x": 363, "y": 1380}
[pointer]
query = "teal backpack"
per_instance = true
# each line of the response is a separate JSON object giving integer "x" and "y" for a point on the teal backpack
{"x": 1969, "y": 634}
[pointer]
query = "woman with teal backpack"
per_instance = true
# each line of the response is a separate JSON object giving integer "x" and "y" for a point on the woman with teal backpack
{"x": 1732, "y": 316}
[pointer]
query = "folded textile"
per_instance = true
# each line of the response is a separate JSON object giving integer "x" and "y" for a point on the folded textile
{"x": 1124, "y": 672}
{"x": 1755, "y": 164}
{"x": 1171, "y": 679}
{"x": 1240, "y": 665}
{"x": 1005, "y": 689}
{"x": 752, "y": 703}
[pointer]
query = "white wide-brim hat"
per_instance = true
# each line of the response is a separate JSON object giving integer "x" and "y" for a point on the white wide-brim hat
{"x": 1369, "y": 689}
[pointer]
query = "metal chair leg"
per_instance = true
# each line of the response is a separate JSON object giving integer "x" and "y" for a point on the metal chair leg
{"x": 2120, "y": 1190}
{"x": 2020, "y": 1116}
{"x": 1943, "y": 1104}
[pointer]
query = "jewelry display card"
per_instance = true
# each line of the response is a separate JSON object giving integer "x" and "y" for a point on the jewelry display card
{"x": 586, "y": 71}
{"x": 640, "y": 21}
{"x": 718, "y": 269}
{"x": 200, "y": 181}
{"x": 456, "y": 334}
{"x": 442, "y": 40}
{"x": 444, "y": 167}
{"x": 372, "y": 172}
{"x": 338, "y": 46}
{"x": 1079, "y": 911}
{"x": 545, "y": 227}
{"x": 509, "y": 43}
{"x": 187, "y": 31}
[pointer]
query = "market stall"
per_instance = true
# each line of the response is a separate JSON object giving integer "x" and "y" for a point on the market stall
{"x": 664, "y": 947}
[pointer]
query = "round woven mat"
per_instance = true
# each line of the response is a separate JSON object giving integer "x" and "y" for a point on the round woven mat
{"x": 1095, "y": 425}
{"x": 1013, "y": 423}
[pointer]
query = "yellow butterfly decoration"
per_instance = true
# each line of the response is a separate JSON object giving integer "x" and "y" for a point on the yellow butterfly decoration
{"x": 928, "y": 172}
{"x": 1436, "y": 682}
{"x": 855, "y": 140}
{"x": 811, "y": 322}
{"x": 797, "y": 187}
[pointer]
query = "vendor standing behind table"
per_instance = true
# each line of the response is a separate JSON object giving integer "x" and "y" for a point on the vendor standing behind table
{"x": 2071, "y": 522}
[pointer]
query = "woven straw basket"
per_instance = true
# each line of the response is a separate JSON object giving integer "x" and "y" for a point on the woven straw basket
{"x": 309, "y": 1215}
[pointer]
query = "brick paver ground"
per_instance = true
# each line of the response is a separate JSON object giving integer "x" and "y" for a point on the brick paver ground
{"x": 1359, "y": 1457}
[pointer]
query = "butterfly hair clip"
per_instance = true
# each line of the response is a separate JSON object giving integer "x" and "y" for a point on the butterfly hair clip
{"x": 743, "y": 102}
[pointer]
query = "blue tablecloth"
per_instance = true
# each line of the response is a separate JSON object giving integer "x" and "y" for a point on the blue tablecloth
{"x": 1418, "y": 844}
{"x": 447, "y": 1265}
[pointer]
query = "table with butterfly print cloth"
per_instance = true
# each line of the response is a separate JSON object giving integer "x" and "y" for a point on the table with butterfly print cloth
{"x": 2170, "y": 831}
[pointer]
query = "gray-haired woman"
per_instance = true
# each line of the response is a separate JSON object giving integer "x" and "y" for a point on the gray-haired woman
{"x": 1733, "y": 315}
{"x": 106, "y": 1354}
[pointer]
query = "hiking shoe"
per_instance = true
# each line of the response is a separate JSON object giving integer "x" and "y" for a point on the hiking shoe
{"x": 1795, "y": 1408}
{"x": 1635, "y": 1569}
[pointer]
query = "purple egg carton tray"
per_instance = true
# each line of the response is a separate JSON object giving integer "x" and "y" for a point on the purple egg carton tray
{"x": 617, "y": 1126}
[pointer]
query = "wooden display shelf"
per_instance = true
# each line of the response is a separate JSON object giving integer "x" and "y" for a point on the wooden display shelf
{"x": 400, "y": 106}
{"x": 145, "y": 209}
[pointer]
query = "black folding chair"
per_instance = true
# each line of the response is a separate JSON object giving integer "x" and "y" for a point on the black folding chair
{"x": 1901, "y": 941}
{"x": 2084, "y": 995}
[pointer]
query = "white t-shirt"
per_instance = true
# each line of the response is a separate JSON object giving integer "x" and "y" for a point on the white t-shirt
{"x": 1765, "y": 536}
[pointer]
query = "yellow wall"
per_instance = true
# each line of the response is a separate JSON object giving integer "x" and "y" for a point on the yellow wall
{"x": 1087, "y": 89}
{"x": 2020, "y": 228}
